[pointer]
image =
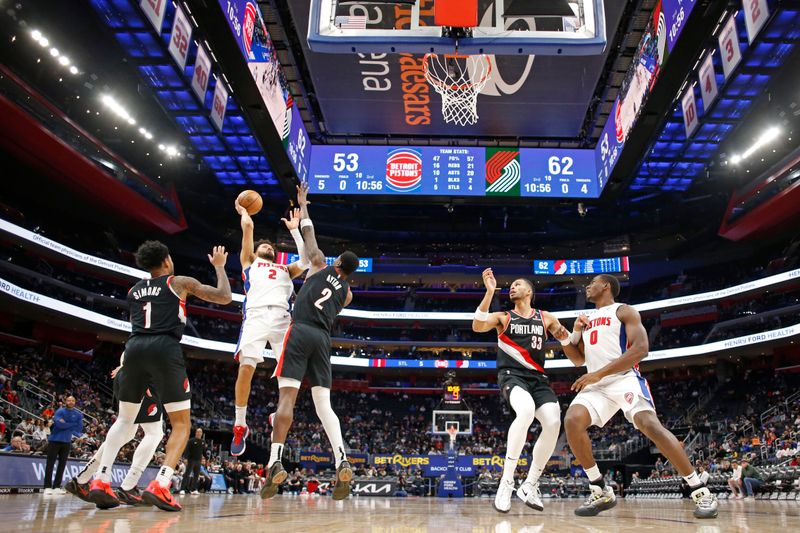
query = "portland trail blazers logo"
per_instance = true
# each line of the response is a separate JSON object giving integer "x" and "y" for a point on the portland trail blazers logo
{"x": 502, "y": 172}
{"x": 186, "y": 385}
{"x": 152, "y": 409}
{"x": 404, "y": 170}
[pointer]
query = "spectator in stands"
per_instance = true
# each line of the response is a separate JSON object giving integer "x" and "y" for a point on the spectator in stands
{"x": 67, "y": 423}
{"x": 485, "y": 483}
{"x": 312, "y": 486}
{"x": 204, "y": 479}
{"x": 26, "y": 427}
{"x": 750, "y": 478}
{"x": 40, "y": 434}
{"x": 195, "y": 449}
{"x": 295, "y": 485}
{"x": 703, "y": 474}
{"x": 735, "y": 481}
{"x": 17, "y": 445}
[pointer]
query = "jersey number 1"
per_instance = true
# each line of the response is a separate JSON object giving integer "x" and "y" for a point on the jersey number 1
{"x": 326, "y": 294}
{"x": 148, "y": 311}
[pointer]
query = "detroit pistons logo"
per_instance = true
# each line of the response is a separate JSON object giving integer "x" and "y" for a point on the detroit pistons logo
{"x": 617, "y": 122}
{"x": 629, "y": 397}
{"x": 404, "y": 170}
{"x": 152, "y": 410}
{"x": 186, "y": 385}
{"x": 248, "y": 26}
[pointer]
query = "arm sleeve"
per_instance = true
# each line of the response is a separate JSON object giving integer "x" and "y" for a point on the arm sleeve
{"x": 303, "y": 262}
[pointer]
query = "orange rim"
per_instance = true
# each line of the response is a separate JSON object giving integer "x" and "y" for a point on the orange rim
{"x": 455, "y": 87}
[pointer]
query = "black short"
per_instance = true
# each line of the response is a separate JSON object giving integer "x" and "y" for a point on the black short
{"x": 154, "y": 362}
{"x": 537, "y": 385}
{"x": 306, "y": 351}
{"x": 151, "y": 409}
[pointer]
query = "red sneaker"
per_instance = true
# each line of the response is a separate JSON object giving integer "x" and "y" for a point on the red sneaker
{"x": 101, "y": 495}
{"x": 160, "y": 496}
{"x": 239, "y": 442}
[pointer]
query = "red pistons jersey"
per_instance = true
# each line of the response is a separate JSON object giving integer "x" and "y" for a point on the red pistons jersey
{"x": 521, "y": 344}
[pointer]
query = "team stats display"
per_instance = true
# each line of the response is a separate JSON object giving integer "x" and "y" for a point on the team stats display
{"x": 453, "y": 171}
{"x": 566, "y": 267}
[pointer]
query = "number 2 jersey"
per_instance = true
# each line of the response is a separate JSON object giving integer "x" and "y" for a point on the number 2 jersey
{"x": 266, "y": 284}
{"x": 521, "y": 344}
{"x": 321, "y": 299}
{"x": 155, "y": 309}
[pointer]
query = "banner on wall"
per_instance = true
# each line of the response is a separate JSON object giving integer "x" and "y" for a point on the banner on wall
{"x": 730, "y": 53}
{"x": 181, "y": 38}
{"x": 28, "y": 471}
{"x": 220, "y": 103}
{"x": 202, "y": 70}
{"x": 708, "y": 82}
{"x": 154, "y": 10}
{"x": 756, "y": 13}
{"x": 689, "y": 111}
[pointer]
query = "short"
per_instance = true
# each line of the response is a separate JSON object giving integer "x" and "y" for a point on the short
{"x": 537, "y": 385}
{"x": 306, "y": 352}
{"x": 603, "y": 399}
{"x": 151, "y": 409}
{"x": 258, "y": 328}
{"x": 155, "y": 362}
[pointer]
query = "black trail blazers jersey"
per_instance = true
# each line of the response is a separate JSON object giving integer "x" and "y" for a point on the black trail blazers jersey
{"x": 321, "y": 299}
{"x": 521, "y": 344}
{"x": 156, "y": 309}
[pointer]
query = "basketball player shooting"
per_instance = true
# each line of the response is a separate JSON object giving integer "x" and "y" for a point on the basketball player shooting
{"x": 153, "y": 356}
{"x": 307, "y": 352}
{"x": 521, "y": 334}
{"x": 150, "y": 420}
{"x": 611, "y": 343}
{"x": 268, "y": 287}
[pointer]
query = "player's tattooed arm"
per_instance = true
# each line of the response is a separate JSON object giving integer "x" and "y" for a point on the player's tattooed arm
{"x": 483, "y": 320}
{"x": 556, "y": 329}
{"x": 221, "y": 294}
{"x": 315, "y": 255}
{"x": 247, "y": 255}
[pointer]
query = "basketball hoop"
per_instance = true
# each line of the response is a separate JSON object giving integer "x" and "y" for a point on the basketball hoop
{"x": 452, "y": 431}
{"x": 458, "y": 79}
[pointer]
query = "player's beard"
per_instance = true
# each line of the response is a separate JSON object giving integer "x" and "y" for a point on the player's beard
{"x": 269, "y": 256}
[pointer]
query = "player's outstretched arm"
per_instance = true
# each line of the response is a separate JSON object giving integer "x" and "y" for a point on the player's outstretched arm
{"x": 292, "y": 224}
{"x": 247, "y": 255}
{"x": 574, "y": 348}
{"x": 315, "y": 256}
{"x": 221, "y": 294}
{"x": 349, "y": 298}
{"x": 483, "y": 320}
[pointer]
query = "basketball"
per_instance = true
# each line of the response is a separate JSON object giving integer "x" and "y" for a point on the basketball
{"x": 251, "y": 201}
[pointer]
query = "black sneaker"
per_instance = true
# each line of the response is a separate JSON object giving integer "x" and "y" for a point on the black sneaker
{"x": 275, "y": 476}
{"x": 599, "y": 500}
{"x": 344, "y": 474}
{"x": 81, "y": 490}
{"x": 130, "y": 497}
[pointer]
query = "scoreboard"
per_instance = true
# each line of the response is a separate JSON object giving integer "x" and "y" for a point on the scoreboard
{"x": 566, "y": 267}
{"x": 453, "y": 171}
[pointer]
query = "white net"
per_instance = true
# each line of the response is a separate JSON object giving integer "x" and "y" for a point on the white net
{"x": 458, "y": 80}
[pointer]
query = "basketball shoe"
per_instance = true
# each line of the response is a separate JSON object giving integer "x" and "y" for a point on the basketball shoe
{"x": 81, "y": 490}
{"x": 530, "y": 494}
{"x": 275, "y": 476}
{"x": 160, "y": 496}
{"x": 239, "y": 442}
{"x": 130, "y": 497}
{"x": 502, "y": 501}
{"x": 599, "y": 500}
{"x": 101, "y": 495}
{"x": 706, "y": 503}
{"x": 344, "y": 474}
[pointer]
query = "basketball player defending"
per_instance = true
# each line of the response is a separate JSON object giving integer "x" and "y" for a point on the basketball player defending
{"x": 150, "y": 420}
{"x": 611, "y": 343}
{"x": 306, "y": 351}
{"x": 153, "y": 357}
{"x": 268, "y": 287}
{"x": 521, "y": 334}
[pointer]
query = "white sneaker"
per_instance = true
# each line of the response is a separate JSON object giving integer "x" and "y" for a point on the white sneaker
{"x": 195, "y": 492}
{"x": 47, "y": 492}
{"x": 182, "y": 492}
{"x": 707, "y": 505}
{"x": 502, "y": 502}
{"x": 59, "y": 491}
{"x": 531, "y": 496}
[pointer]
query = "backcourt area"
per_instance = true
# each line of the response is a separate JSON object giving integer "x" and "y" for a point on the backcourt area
{"x": 400, "y": 266}
{"x": 377, "y": 515}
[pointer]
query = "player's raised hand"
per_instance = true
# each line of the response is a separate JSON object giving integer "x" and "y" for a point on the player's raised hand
{"x": 302, "y": 194}
{"x": 115, "y": 371}
{"x": 218, "y": 256}
{"x": 581, "y": 323}
{"x": 489, "y": 281}
{"x": 561, "y": 334}
{"x": 294, "y": 219}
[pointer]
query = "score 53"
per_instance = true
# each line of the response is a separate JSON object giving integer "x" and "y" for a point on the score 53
{"x": 342, "y": 162}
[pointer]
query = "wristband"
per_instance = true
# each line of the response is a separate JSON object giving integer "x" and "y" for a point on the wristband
{"x": 567, "y": 341}
{"x": 575, "y": 338}
{"x": 481, "y": 316}
{"x": 306, "y": 222}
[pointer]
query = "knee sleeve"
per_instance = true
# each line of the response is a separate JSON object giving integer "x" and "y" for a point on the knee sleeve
{"x": 523, "y": 404}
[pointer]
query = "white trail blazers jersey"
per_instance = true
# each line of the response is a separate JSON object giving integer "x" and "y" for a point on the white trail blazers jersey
{"x": 266, "y": 285}
{"x": 605, "y": 340}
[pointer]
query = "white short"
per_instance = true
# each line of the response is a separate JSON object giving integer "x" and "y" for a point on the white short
{"x": 631, "y": 393}
{"x": 258, "y": 328}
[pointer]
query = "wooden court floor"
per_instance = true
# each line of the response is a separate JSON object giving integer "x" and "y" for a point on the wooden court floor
{"x": 288, "y": 514}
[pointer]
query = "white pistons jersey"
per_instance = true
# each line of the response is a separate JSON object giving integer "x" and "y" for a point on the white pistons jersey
{"x": 266, "y": 285}
{"x": 604, "y": 340}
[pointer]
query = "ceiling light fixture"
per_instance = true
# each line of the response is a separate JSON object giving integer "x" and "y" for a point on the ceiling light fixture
{"x": 769, "y": 135}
